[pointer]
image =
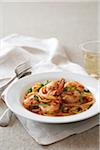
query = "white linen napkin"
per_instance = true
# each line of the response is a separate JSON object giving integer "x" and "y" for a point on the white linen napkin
{"x": 45, "y": 55}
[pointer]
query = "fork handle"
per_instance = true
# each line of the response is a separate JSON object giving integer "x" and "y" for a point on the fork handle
{"x": 6, "y": 118}
{"x": 7, "y": 115}
{"x": 6, "y": 85}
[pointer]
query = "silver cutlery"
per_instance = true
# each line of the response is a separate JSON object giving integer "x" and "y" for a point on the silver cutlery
{"x": 21, "y": 70}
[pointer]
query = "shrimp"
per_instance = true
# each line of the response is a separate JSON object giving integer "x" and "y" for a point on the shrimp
{"x": 51, "y": 109}
{"x": 75, "y": 84}
{"x": 52, "y": 89}
{"x": 71, "y": 97}
{"x": 29, "y": 101}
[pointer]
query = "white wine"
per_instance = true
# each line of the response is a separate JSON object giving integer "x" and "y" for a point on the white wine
{"x": 91, "y": 53}
{"x": 92, "y": 63}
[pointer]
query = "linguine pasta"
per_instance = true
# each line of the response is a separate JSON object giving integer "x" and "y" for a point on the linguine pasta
{"x": 58, "y": 98}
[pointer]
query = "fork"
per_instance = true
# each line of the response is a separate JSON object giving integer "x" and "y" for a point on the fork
{"x": 21, "y": 70}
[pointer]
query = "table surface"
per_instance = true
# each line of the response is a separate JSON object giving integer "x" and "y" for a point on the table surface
{"x": 15, "y": 137}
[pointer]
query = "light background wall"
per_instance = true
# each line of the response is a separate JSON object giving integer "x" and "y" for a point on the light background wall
{"x": 71, "y": 22}
{"x": 49, "y": 0}
{"x": 1, "y": 20}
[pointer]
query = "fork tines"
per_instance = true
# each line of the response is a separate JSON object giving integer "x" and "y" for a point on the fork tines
{"x": 23, "y": 67}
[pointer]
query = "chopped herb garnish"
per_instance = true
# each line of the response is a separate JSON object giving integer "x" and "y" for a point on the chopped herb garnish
{"x": 36, "y": 98}
{"x": 33, "y": 107}
{"x": 36, "y": 106}
{"x": 62, "y": 108}
{"x": 89, "y": 106}
{"x": 81, "y": 98}
{"x": 79, "y": 91}
{"x": 41, "y": 85}
{"x": 87, "y": 91}
{"x": 29, "y": 90}
{"x": 67, "y": 89}
{"x": 79, "y": 109}
{"x": 46, "y": 82}
{"x": 42, "y": 105}
{"x": 72, "y": 88}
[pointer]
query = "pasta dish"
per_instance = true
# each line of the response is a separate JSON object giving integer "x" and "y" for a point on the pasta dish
{"x": 58, "y": 98}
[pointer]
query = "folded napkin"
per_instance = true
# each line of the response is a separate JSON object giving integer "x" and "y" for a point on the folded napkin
{"x": 45, "y": 55}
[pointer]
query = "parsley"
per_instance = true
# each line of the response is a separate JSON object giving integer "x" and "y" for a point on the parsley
{"x": 81, "y": 98}
{"x": 46, "y": 82}
{"x": 43, "y": 105}
{"x": 29, "y": 90}
{"x": 87, "y": 91}
{"x": 36, "y": 98}
{"x": 36, "y": 106}
{"x": 67, "y": 89}
{"x": 62, "y": 108}
{"x": 41, "y": 85}
{"x": 32, "y": 107}
{"x": 89, "y": 106}
{"x": 79, "y": 109}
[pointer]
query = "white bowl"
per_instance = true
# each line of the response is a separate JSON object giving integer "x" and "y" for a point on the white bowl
{"x": 16, "y": 91}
